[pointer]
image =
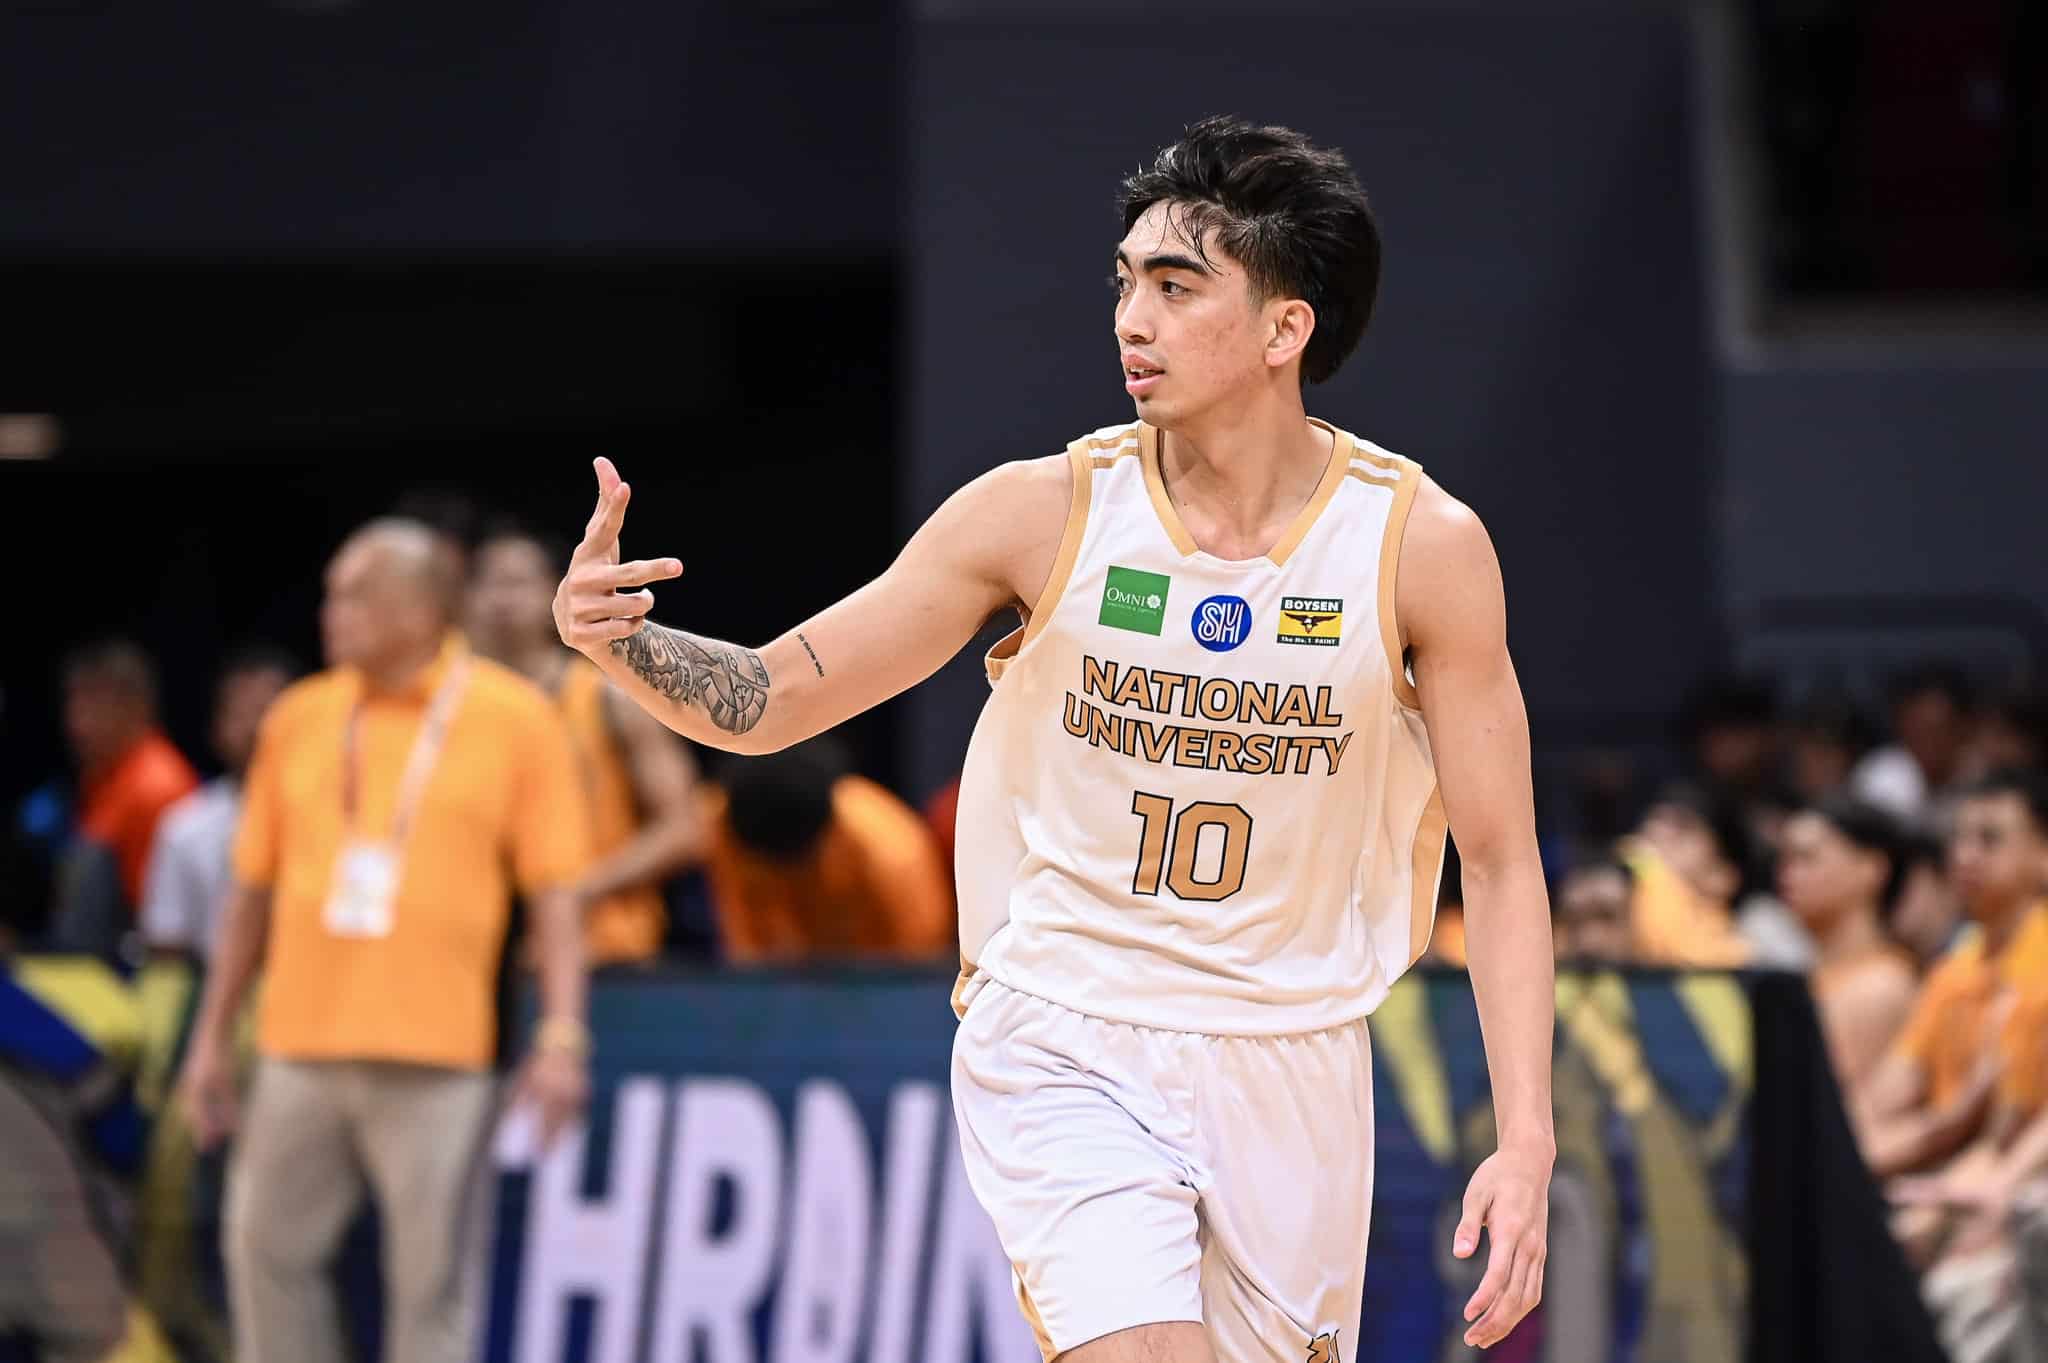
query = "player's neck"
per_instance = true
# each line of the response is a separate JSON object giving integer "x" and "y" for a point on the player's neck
{"x": 1247, "y": 471}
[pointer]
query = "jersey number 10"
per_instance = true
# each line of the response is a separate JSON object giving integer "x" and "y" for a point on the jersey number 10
{"x": 1182, "y": 833}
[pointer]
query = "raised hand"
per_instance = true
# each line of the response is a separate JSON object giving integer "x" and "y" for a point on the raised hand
{"x": 597, "y": 601}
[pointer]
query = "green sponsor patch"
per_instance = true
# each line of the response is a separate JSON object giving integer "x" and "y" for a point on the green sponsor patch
{"x": 1134, "y": 600}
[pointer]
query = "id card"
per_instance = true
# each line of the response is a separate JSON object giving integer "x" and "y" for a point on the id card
{"x": 360, "y": 903}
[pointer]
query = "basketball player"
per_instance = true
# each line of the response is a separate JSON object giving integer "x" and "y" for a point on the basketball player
{"x": 1261, "y": 661}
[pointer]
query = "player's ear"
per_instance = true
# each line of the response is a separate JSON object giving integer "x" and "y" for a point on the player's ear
{"x": 1290, "y": 321}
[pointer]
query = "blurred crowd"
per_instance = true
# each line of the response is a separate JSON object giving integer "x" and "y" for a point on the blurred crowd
{"x": 202, "y": 1043}
{"x": 1902, "y": 865}
{"x": 309, "y": 961}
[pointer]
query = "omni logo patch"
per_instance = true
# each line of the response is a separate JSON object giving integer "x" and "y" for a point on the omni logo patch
{"x": 1134, "y": 600}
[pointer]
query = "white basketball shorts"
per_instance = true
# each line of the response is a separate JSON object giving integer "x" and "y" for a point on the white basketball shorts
{"x": 1136, "y": 1175}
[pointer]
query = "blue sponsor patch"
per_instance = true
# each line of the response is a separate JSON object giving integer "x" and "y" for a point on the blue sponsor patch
{"x": 1221, "y": 623}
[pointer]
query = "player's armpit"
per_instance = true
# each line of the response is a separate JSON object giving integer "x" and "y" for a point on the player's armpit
{"x": 990, "y": 545}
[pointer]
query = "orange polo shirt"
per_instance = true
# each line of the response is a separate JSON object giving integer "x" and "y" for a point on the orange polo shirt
{"x": 503, "y": 808}
{"x": 1952, "y": 1023}
{"x": 874, "y": 887}
{"x": 123, "y": 804}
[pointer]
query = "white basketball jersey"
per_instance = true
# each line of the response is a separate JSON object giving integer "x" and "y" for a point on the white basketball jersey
{"x": 1201, "y": 795}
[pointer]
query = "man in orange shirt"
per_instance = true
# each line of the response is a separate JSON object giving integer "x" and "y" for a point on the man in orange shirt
{"x": 129, "y": 774}
{"x": 646, "y": 823}
{"x": 808, "y": 861}
{"x": 394, "y": 804}
{"x": 1929, "y": 1098}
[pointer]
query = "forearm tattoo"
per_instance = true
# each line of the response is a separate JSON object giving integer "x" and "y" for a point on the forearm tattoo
{"x": 726, "y": 682}
{"x": 813, "y": 652}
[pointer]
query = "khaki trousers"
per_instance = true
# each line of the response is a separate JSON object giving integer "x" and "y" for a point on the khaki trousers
{"x": 314, "y": 1135}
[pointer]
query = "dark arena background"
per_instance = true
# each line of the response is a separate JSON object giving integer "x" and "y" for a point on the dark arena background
{"x": 1729, "y": 319}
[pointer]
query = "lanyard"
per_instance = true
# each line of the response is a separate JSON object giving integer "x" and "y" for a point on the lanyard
{"x": 419, "y": 765}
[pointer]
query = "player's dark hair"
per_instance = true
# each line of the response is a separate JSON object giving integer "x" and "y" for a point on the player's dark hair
{"x": 778, "y": 805}
{"x": 2028, "y": 783}
{"x": 1292, "y": 213}
{"x": 1869, "y": 829}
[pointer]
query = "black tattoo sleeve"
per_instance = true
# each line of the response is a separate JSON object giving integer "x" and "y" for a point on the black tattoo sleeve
{"x": 726, "y": 682}
{"x": 813, "y": 652}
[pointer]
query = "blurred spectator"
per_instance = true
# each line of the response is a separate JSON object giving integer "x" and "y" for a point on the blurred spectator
{"x": 2011, "y": 731}
{"x": 640, "y": 779}
{"x": 1930, "y": 714}
{"x": 1928, "y": 1098}
{"x": 1927, "y": 916}
{"x": 1825, "y": 739}
{"x": 189, "y": 877}
{"x": 393, "y": 802}
{"x": 809, "y": 861}
{"x": 452, "y": 515}
{"x": 1729, "y": 728}
{"x": 189, "y": 883}
{"x": 1838, "y": 869}
{"x": 1689, "y": 859}
{"x": 1590, "y": 914}
{"x": 1974, "y": 1219}
{"x": 129, "y": 774}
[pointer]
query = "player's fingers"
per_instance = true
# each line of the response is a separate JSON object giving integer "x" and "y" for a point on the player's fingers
{"x": 1500, "y": 1313}
{"x": 607, "y": 475}
{"x": 1500, "y": 1260}
{"x": 601, "y": 535}
{"x": 1466, "y": 1239}
{"x": 610, "y": 606}
{"x": 640, "y": 572}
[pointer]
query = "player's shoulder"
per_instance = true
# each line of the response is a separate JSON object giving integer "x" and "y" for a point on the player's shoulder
{"x": 1442, "y": 534}
{"x": 1020, "y": 500}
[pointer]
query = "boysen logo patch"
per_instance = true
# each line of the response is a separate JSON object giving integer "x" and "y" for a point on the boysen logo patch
{"x": 1134, "y": 600}
{"x": 1221, "y": 623}
{"x": 1317, "y": 620}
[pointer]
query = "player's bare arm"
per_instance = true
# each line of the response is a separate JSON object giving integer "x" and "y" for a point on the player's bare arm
{"x": 1451, "y": 605}
{"x": 990, "y": 546}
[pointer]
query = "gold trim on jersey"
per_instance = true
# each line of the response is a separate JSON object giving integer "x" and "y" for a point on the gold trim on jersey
{"x": 1155, "y": 484}
{"x": 1080, "y": 458}
{"x": 1341, "y": 448}
{"x": 1376, "y": 479}
{"x": 1390, "y": 570}
{"x": 1333, "y": 478}
{"x": 1031, "y": 1316}
{"x": 1426, "y": 867}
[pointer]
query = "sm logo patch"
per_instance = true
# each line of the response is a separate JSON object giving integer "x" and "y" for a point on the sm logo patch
{"x": 1221, "y": 623}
